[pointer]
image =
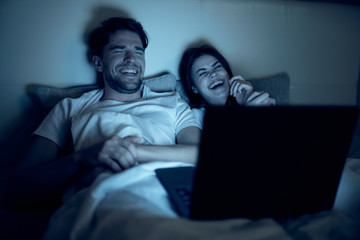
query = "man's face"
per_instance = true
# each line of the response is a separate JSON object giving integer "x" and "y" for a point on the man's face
{"x": 210, "y": 79}
{"x": 123, "y": 62}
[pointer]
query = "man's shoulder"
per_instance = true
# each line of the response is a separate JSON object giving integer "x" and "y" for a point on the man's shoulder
{"x": 93, "y": 94}
{"x": 84, "y": 100}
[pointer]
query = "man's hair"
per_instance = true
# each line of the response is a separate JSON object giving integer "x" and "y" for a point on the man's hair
{"x": 100, "y": 36}
{"x": 187, "y": 60}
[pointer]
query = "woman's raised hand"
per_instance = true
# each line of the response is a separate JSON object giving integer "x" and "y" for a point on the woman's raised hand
{"x": 240, "y": 89}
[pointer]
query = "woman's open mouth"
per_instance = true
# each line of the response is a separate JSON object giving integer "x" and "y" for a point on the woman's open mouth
{"x": 216, "y": 84}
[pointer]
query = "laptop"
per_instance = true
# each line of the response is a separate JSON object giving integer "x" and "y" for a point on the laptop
{"x": 255, "y": 162}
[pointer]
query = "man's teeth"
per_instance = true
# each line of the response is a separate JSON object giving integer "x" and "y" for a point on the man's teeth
{"x": 129, "y": 71}
{"x": 216, "y": 84}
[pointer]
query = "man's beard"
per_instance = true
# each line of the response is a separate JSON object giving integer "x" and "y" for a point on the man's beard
{"x": 118, "y": 85}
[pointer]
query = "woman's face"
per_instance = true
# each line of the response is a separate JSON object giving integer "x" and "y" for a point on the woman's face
{"x": 210, "y": 79}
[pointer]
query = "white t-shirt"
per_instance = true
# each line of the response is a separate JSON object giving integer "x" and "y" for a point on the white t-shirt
{"x": 199, "y": 116}
{"x": 84, "y": 121}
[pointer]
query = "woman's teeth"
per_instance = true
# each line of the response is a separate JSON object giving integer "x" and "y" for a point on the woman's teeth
{"x": 216, "y": 84}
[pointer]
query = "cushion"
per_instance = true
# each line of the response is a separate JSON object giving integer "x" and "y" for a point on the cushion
{"x": 277, "y": 85}
{"x": 48, "y": 96}
{"x": 164, "y": 83}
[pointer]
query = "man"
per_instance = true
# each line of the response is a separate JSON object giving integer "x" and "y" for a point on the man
{"x": 113, "y": 128}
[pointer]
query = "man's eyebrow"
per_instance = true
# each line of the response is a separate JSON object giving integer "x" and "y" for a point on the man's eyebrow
{"x": 117, "y": 47}
{"x": 140, "y": 49}
{"x": 114, "y": 47}
{"x": 212, "y": 65}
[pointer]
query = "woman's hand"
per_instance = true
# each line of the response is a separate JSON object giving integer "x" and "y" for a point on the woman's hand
{"x": 260, "y": 99}
{"x": 240, "y": 89}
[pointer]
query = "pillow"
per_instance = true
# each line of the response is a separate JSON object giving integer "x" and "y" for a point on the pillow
{"x": 276, "y": 85}
{"x": 164, "y": 83}
{"x": 47, "y": 96}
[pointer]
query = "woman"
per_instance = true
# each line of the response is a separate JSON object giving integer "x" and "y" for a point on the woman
{"x": 208, "y": 80}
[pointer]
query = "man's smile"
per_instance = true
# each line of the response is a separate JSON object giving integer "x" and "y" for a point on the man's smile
{"x": 129, "y": 71}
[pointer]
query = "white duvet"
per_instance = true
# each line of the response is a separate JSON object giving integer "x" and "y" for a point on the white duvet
{"x": 134, "y": 205}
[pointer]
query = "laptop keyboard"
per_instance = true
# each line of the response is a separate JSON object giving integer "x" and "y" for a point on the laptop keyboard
{"x": 185, "y": 194}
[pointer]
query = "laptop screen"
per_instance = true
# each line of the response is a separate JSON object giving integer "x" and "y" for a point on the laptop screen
{"x": 270, "y": 161}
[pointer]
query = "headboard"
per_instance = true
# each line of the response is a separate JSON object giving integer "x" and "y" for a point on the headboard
{"x": 47, "y": 96}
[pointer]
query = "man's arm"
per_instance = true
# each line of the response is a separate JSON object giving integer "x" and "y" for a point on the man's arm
{"x": 185, "y": 151}
{"x": 189, "y": 135}
{"x": 43, "y": 175}
{"x": 40, "y": 177}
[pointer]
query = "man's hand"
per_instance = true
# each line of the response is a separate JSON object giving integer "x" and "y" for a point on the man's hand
{"x": 115, "y": 152}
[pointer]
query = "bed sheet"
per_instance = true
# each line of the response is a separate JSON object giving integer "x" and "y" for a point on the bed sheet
{"x": 134, "y": 205}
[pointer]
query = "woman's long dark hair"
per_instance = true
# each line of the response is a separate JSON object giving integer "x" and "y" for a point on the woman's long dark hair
{"x": 187, "y": 60}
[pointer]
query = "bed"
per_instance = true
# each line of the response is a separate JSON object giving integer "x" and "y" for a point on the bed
{"x": 134, "y": 205}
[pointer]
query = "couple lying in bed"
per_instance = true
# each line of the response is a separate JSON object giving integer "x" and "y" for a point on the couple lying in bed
{"x": 125, "y": 123}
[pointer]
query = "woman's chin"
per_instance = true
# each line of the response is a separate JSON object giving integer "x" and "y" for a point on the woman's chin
{"x": 218, "y": 101}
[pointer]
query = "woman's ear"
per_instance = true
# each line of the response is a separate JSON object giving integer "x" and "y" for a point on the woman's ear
{"x": 97, "y": 61}
{"x": 195, "y": 90}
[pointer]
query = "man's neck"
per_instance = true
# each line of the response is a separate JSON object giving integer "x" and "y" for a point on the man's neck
{"x": 111, "y": 94}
